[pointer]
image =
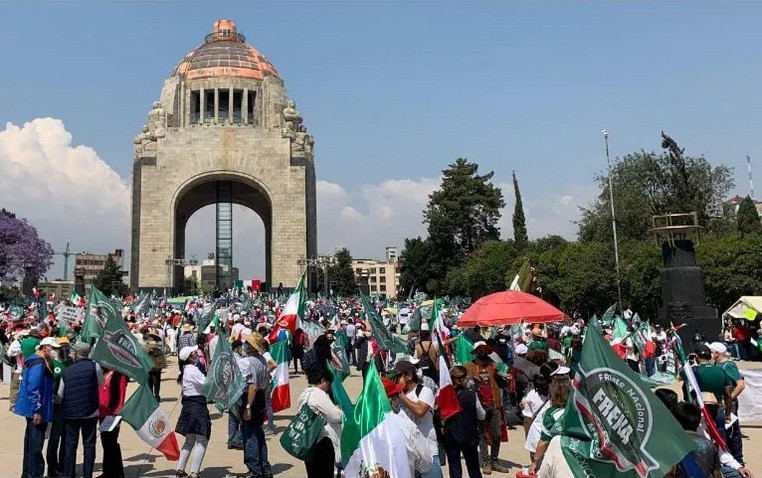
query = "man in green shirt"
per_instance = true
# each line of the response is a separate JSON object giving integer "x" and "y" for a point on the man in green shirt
{"x": 733, "y": 434}
{"x": 711, "y": 378}
{"x": 30, "y": 343}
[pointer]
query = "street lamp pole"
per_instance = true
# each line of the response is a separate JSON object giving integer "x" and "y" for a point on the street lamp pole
{"x": 613, "y": 221}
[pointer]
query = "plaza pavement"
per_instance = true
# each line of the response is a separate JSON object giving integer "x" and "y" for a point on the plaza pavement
{"x": 141, "y": 461}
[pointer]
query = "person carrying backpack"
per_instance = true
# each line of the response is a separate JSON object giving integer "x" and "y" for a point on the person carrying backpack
{"x": 428, "y": 355}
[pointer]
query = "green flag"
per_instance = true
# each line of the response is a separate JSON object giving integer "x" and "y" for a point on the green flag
{"x": 100, "y": 309}
{"x": 340, "y": 393}
{"x": 385, "y": 339}
{"x": 463, "y": 348}
{"x": 119, "y": 350}
{"x": 613, "y": 424}
{"x": 224, "y": 381}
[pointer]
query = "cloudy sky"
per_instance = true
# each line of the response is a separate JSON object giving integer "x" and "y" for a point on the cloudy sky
{"x": 393, "y": 92}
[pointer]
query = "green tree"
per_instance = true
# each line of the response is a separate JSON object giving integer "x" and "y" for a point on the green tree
{"x": 418, "y": 259}
{"x": 519, "y": 221}
{"x": 486, "y": 270}
{"x": 747, "y": 219}
{"x": 586, "y": 280}
{"x": 731, "y": 266}
{"x": 647, "y": 184}
{"x": 341, "y": 274}
{"x": 641, "y": 264}
{"x": 461, "y": 215}
{"x": 109, "y": 279}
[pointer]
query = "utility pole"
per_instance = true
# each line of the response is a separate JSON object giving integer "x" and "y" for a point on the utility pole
{"x": 65, "y": 255}
{"x": 613, "y": 222}
{"x": 751, "y": 181}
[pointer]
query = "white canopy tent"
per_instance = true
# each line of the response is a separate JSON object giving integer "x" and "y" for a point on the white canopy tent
{"x": 747, "y": 307}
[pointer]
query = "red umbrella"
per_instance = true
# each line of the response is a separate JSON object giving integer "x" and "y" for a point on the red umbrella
{"x": 508, "y": 308}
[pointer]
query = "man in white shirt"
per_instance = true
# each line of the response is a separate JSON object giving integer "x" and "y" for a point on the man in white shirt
{"x": 351, "y": 331}
{"x": 554, "y": 463}
{"x": 418, "y": 452}
{"x": 418, "y": 404}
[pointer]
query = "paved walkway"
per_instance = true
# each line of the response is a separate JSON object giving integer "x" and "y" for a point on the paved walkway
{"x": 140, "y": 461}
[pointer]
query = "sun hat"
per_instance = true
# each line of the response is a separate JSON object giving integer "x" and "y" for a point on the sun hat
{"x": 403, "y": 367}
{"x": 81, "y": 347}
{"x": 719, "y": 348}
{"x": 187, "y": 328}
{"x": 561, "y": 370}
{"x": 63, "y": 340}
{"x": 49, "y": 341}
{"x": 256, "y": 341}
{"x": 185, "y": 352}
{"x": 392, "y": 389}
{"x": 708, "y": 398}
{"x": 480, "y": 344}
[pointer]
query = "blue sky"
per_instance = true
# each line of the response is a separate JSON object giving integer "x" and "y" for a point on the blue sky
{"x": 397, "y": 90}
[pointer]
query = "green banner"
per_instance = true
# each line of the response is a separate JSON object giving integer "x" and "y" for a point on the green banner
{"x": 224, "y": 382}
{"x": 119, "y": 350}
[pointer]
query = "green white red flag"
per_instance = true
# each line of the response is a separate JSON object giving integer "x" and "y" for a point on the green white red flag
{"x": 372, "y": 443}
{"x": 292, "y": 311}
{"x": 144, "y": 414}
{"x": 281, "y": 388}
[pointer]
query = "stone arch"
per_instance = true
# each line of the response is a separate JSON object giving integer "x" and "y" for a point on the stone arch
{"x": 200, "y": 191}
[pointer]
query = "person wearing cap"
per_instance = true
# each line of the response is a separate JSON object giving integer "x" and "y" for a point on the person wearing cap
{"x": 16, "y": 362}
{"x": 194, "y": 422}
{"x": 417, "y": 447}
{"x": 711, "y": 378}
{"x": 35, "y": 403}
{"x": 721, "y": 359}
{"x": 78, "y": 391}
{"x": 461, "y": 430}
{"x": 484, "y": 372}
{"x": 154, "y": 346}
{"x": 254, "y": 406}
{"x": 558, "y": 394}
{"x": 55, "y": 455}
{"x": 326, "y": 447}
{"x": 418, "y": 403}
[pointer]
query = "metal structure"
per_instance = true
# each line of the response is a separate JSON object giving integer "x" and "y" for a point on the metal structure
{"x": 173, "y": 262}
{"x": 671, "y": 228}
{"x": 751, "y": 180}
{"x": 613, "y": 222}
{"x": 319, "y": 263}
{"x": 224, "y": 235}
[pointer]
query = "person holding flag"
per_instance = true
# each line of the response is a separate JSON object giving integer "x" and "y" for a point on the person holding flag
{"x": 461, "y": 430}
{"x": 194, "y": 421}
{"x": 316, "y": 397}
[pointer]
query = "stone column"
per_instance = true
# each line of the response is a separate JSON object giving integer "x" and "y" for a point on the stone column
{"x": 202, "y": 106}
{"x": 230, "y": 105}
{"x": 245, "y": 106}
{"x": 216, "y": 105}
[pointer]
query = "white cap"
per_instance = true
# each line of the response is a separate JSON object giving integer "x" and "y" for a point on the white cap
{"x": 719, "y": 348}
{"x": 560, "y": 371}
{"x": 521, "y": 349}
{"x": 186, "y": 351}
{"x": 50, "y": 341}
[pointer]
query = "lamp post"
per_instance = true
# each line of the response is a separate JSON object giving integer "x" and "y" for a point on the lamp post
{"x": 613, "y": 221}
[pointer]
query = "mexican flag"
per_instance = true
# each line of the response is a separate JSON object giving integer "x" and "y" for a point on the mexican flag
{"x": 293, "y": 310}
{"x": 281, "y": 390}
{"x": 368, "y": 436}
{"x": 447, "y": 400}
{"x": 214, "y": 323}
{"x": 144, "y": 414}
{"x": 613, "y": 424}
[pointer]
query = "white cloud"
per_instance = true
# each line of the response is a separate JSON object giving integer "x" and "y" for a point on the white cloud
{"x": 70, "y": 194}
{"x": 66, "y": 191}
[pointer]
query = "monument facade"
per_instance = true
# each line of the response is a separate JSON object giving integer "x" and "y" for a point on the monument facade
{"x": 223, "y": 132}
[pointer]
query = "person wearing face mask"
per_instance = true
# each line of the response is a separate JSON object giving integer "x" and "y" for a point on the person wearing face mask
{"x": 484, "y": 372}
{"x": 55, "y": 455}
{"x": 418, "y": 452}
{"x": 418, "y": 403}
{"x": 35, "y": 403}
{"x": 327, "y": 444}
{"x": 461, "y": 431}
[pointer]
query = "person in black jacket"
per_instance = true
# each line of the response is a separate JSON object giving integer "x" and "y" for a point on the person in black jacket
{"x": 461, "y": 432}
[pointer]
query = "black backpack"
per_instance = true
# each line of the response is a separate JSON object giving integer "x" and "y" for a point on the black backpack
{"x": 310, "y": 362}
{"x": 427, "y": 365}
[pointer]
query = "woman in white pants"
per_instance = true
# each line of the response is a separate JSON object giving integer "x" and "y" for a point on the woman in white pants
{"x": 194, "y": 421}
{"x": 171, "y": 339}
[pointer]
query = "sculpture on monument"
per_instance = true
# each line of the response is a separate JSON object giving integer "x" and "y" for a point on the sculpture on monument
{"x": 157, "y": 120}
{"x": 295, "y": 131}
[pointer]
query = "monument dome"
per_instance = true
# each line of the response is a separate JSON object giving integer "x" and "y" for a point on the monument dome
{"x": 224, "y": 53}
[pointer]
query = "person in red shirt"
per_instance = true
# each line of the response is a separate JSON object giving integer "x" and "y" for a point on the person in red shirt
{"x": 111, "y": 397}
{"x": 743, "y": 334}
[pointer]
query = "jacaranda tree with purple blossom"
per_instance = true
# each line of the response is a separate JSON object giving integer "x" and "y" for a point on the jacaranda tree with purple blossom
{"x": 23, "y": 254}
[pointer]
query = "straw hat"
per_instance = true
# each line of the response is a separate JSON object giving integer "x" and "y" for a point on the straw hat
{"x": 257, "y": 342}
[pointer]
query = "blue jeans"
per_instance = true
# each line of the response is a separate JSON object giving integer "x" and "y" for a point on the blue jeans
{"x": 234, "y": 430}
{"x": 255, "y": 450}
{"x": 434, "y": 472}
{"x": 733, "y": 437}
{"x": 471, "y": 455}
{"x": 650, "y": 366}
{"x": 87, "y": 427}
{"x": 34, "y": 437}
{"x": 269, "y": 409}
{"x": 728, "y": 472}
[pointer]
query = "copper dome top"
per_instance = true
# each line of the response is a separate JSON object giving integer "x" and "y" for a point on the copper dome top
{"x": 224, "y": 53}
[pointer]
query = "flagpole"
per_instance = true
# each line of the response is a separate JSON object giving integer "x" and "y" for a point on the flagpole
{"x": 613, "y": 221}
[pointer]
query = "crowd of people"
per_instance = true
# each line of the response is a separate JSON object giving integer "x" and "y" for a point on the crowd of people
{"x": 502, "y": 376}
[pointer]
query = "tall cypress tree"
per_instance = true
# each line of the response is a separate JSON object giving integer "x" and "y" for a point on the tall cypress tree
{"x": 747, "y": 219}
{"x": 519, "y": 221}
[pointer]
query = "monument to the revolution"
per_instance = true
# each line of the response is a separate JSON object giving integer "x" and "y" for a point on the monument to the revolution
{"x": 223, "y": 132}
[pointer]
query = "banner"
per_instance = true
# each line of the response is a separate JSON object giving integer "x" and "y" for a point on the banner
{"x": 67, "y": 315}
{"x": 750, "y": 400}
{"x": 119, "y": 350}
{"x": 224, "y": 381}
